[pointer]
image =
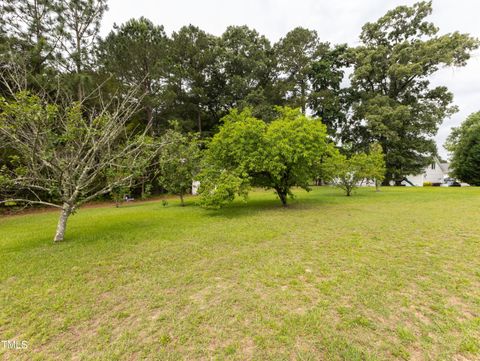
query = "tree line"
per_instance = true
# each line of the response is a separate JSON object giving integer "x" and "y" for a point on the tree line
{"x": 83, "y": 116}
{"x": 196, "y": 78}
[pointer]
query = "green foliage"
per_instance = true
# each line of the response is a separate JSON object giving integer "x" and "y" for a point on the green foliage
{"x": 197, "y": 78}
{"x": 18, "y": 119}
{"x": 136, "y": 54}
{"x": 195, "y": 83}
{"x": 395, "y": 104}
{"x": 328, "y": 99}
{"x": 179, "y": 161}
{"x": 464, "y": 144}
{"x": 376, "y": 164}
{"x": 130, "y": 169}
{"x": 80, "y": 27}
{"x": 295, "y": 55}
{"x": 63, "y": 158}
{"x": 248, "y": 152}
{"x": 219, "y": 187}
{"x": 34, "y": 28}
{"x": 348, "y": 172}
{"x": 247, "y": 62}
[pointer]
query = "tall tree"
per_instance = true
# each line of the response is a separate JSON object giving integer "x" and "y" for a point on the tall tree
{"x": 247, "y": 59}
{"x": 135, "y": 53}
{"x": 295, "y": 55}
{"x": 396, "y": 106}
{"x": 464, "y": 145}
{"x": 195, "y": 81}
{"x": 81, "y": 25}
{"x": 31, "y": 32}
{"x": 329, "y": 99}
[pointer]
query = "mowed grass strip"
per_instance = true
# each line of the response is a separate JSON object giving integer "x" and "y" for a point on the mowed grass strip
{"x": 376, "y": 276}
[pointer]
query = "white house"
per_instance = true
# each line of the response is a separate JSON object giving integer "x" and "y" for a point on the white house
{"x": 435, "y": 173}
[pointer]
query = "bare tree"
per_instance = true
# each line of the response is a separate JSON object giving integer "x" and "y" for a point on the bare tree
{"x": 65, "y": 158}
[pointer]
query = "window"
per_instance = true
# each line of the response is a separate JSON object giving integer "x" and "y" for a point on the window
{"x": 433, "y": 165}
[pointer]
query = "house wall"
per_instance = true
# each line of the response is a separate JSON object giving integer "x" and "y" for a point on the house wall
{"x": 434, "y": 173}
{"x": 416, "y": 179}
{"x": 366, "y": 183}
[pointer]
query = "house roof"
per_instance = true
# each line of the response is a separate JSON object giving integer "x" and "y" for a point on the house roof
{"x": 445, "y": 167}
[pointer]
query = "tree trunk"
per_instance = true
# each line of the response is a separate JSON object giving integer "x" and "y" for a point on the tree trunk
{"x": 181, "y": 200}
{"x": 62, "y": 223}
{"x": 304, "y": 101}
{"x": 283, "y": 196}
{"x": 388, "y": 178}
{"x": 80, "y": 89}
{"x": 149, "y": 112}
{"x": 199, "y": 121}
{"x": 78, "y": 63}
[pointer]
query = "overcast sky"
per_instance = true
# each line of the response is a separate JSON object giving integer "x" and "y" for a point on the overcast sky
{"x": 336, "y": 21}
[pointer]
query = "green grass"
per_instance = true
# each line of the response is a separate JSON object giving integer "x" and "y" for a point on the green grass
{"x": 376, "y": 276}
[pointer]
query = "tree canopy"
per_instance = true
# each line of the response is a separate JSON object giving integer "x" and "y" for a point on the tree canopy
{"x": 179, "y": 161}
{"x": 395, "y": 105}
{"x": 64, "y": 159}
{"x": 248, "y": 152}
{"x": 135, "y": 54}
{"x": 348, "y": 172}
{"x": 464, "y": 145}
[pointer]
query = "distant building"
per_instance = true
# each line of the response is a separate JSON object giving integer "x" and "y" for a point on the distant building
{"x": 435, "y": 173}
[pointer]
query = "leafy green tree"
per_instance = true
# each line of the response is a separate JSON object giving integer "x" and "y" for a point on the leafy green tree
{"x": 329, "y": 100}
{"x": 464, "y": 145}
{"x": 64, "y": 159}
{"x": 348, "y": 172}
{"x": 396, "y": 106}
{"x": 135, "y": 53}
{"x": 249, "y": 152}
{"x": 179, "y": 161}
{"x": 295, "y": 54}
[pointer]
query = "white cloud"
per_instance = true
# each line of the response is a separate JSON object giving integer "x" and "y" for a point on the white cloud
{"x": 335, "y": 21}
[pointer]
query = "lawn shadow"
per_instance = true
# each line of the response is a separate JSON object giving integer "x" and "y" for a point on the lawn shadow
{"x": 251, "y": 207}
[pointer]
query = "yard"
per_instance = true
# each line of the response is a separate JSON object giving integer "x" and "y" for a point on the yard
{"x": 376, "y": 276}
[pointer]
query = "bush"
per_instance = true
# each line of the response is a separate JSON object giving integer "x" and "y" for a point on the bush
{"x": 347, "y": 173}
{"x": 427, "y": 184}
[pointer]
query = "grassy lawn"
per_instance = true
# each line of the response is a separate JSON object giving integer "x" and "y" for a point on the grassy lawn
{"x": 377, "y": 276}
